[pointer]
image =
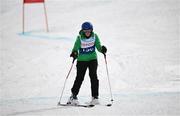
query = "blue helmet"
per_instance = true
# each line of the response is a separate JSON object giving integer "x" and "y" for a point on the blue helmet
{"x": 87, "y": 26}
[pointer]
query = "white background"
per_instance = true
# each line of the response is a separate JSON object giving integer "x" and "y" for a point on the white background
{"x": 142, "y": 38}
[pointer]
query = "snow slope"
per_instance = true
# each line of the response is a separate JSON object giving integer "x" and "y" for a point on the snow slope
{"x": 142, "y": 37}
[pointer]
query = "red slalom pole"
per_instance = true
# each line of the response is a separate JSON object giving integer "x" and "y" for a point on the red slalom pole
{"x": 46, "y": 19}
{"x": 23, "y": 18}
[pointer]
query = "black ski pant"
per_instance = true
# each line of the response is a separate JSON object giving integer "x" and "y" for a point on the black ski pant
{"x": 81, "y": 70}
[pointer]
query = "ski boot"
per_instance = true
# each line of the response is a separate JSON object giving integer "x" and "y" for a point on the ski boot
{"x": 73, "y": 100}
{"x": 94, "y": 101}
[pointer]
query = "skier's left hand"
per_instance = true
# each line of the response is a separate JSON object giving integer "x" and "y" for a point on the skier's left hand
{"x": 103, "y": 49}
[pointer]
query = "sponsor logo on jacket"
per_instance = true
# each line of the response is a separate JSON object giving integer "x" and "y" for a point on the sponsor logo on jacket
{"x": 87, "y": 45}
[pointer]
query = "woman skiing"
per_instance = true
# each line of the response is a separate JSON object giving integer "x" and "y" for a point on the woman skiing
{"x": 85, "y": 53}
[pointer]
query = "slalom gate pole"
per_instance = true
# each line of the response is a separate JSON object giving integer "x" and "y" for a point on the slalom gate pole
{"x": 65, "y": 82}
{"x": 46, "y": 18}
{"x": 23, "y": 7}
{"x": 108, "y": 78}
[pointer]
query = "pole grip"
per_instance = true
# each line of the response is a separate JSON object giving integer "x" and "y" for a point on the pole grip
{"x": 73, "y": 60}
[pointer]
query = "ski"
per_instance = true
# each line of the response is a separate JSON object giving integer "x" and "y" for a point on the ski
{"x": 108, "y": 105}
{"x": 78, "y": 105}
{"x": 100, "y": 104}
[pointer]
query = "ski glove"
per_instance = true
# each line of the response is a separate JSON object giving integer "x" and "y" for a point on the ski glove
{"x": 74, "y": 54}
{"x": 103, "y": 49}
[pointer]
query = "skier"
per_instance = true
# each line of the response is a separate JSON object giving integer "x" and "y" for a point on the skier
{"x": 84, "y": 52}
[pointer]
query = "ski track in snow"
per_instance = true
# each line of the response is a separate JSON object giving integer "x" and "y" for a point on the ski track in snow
{"x": 39, "y": 105}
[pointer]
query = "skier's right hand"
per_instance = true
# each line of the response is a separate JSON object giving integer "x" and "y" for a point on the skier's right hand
{"x": 74, "y": 54}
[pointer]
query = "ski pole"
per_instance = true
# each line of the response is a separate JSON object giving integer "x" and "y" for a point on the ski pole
{"x": 65, "y": 82}
{"x": 108, "y": 79}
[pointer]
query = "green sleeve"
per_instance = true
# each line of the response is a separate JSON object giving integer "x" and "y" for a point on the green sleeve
{"x": 76, "y": 44}
{"x": 98, "y": 43}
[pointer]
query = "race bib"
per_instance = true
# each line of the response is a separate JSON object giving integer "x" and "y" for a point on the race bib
{"x": 87, "y": 45}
